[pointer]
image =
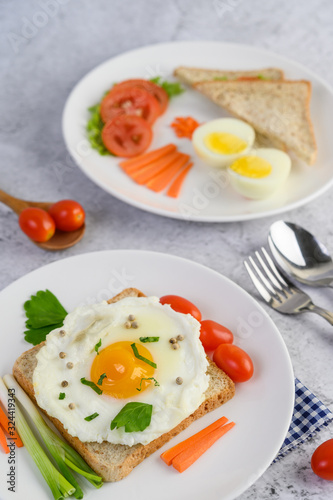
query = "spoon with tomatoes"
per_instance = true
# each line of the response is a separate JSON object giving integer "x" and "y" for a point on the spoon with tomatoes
{"x": 51, "y": 226}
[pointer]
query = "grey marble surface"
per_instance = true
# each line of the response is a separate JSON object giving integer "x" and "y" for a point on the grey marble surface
{"x": 40, "y": 65}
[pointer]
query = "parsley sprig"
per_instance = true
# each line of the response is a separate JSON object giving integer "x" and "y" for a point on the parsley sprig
{"x": 44, "y": 313}
{"x": 135, "y": 417}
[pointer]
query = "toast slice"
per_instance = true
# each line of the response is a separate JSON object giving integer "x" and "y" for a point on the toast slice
{"x": 195, "y": 75}
{"x": 115, "y": 461}
{"x": 279, "y": 110}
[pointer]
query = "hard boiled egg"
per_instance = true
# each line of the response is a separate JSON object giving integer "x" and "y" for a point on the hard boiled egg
{"x": 220, "y": 142}
{"x": 260, "y": 173}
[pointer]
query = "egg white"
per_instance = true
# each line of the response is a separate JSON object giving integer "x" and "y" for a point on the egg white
{"x": 260, "y": 188}
{"x": 84, "y": 327}
{"x": 229, "y": 125}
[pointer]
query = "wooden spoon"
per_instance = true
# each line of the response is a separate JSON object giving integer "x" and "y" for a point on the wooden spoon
{"x": 60, "y": 240}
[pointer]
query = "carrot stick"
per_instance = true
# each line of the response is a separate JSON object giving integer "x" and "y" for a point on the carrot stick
{"x": 176, "y": 186}
{"x": 155, "y": 168}
{"x": 161, "y": 181}
{"x": 187, "y": 457}
{"x": 134, "y": 169}
{"x": 170, "y": 454}
{"x": 8, "y": 428}
{"x": 146, "y": 158}
{"x": 3, "y": 441}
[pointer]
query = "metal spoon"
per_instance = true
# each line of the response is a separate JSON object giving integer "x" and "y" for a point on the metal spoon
{"x": 60, "y": 240}
{"x": 300, "y": 254}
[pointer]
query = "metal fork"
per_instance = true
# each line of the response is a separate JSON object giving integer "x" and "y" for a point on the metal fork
{"x": 278, "y": 291}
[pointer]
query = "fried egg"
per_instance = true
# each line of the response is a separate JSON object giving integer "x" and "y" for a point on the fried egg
{"x": 220, "y": 142}
{"x": 259, "y": 174}
{"x": 96, "y": 344}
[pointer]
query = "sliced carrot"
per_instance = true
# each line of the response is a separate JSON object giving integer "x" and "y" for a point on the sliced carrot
{"x": 184, "y": 126}
{"x": 146, "y": 158}
{"x": 176, "y": 186}
{"x": 187, "y": 457}
{"x": 3, "y": 441}
{"x": 170, "y": 454}
{"x": 8, "y": 428}
{"x": 163, "y": 179}
{"x": 141, "y": 177}
{"x": 134, "y": 169}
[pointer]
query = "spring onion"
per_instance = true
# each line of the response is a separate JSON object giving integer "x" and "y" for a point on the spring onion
{"x": 64, "y": 455}
{"x": 59, "y": 486}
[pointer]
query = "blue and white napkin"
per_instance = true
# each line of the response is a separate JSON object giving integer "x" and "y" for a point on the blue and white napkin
{"x": 310, "y": 415}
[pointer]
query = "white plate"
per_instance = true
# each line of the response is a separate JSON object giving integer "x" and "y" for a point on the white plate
{"x": 262, "y": 408}
{"x": 204, "y": 197}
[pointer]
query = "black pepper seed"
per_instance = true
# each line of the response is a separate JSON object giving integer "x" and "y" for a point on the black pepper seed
{"x": 173, "y": 340}
{"x": 131, "y": 317}
{"x": 128, "y": 324}
{"x": 180, "y": 337}
{"x": 70, "y": 365}
{"x": 179, "y": 380}
{"x": 135, "y": 324}
{"x": 71, "y": 406}
{"x": 175, "y": 346}
{"x": 64, "y": 383}
{"x": 62, "y": 333}
{"x": 62, "y": 355}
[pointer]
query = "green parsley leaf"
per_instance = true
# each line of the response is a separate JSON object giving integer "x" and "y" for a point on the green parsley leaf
{"x": 44, "y": 313}
{"x": 101, "y": 378}
{"x": 149, "y": 378}
{"x": 62, "y": 395}
{"x": 135, "y": 417}
{"x": 91, "y": 417}
{"x": 94, "y": 129}
{"x": 98, "y": 345}
{"x": 171, "y": 88}
{"x": 149, "y": 339}
{"x": 223, "y": 78}
{"x": 137, "y": 355}
{"x": 84, "y": 381}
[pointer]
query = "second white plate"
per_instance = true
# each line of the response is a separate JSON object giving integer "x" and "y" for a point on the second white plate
{"x": 205, "y": 195}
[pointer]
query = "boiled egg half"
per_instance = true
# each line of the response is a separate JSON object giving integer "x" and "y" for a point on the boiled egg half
{"x": 220, "y": 142}
{"x": 261, "y": 172}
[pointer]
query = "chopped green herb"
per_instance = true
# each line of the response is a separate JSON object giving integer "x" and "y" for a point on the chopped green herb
{"x": 134, "y": 417}
{"x": 262, "y": 77}
{"x": 98, "y": 345}
{"x": 137, "y": 355}
{"x": 149, "y": 339}
{"x": 94, "y": 129}
{"x": 171, "y": 88}
{"x": 101, "y": 378}
{"x": 91, "y": 417}
{"x": 44, "y": 313}
{"x": 62, "y": 395}
{"x": 223, "y": 78}
{"x": 149, "y": 378}
{"x": 92, "y": 385}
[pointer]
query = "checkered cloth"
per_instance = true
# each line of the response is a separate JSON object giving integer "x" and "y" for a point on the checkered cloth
{"x": 310, "y": 415}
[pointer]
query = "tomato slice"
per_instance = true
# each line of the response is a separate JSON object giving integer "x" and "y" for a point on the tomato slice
{"x": 158, "y": 92}
{"x": 212, "y": 334}
{"x": 181, "y": 305}
{"x": 234, "y": 362}
{"x": 133, "y": 101}
{"x": 127, "y": 135}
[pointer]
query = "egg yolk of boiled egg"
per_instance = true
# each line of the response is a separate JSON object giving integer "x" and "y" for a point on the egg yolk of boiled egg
{"x": 123, "y": 370}
{"x": 259, "y": 174}
{"x": 220, "y": 142}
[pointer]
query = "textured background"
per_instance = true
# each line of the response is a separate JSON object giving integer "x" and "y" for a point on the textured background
{"x": 40, "y": 65}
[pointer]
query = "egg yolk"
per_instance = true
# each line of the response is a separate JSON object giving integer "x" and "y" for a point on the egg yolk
{"x": 123, "y": 370}
{"x": 224, "y": 143}
{"x": 252, "y": 166}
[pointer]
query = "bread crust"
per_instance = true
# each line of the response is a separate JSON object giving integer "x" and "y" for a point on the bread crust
{"x": 115, "y": 461}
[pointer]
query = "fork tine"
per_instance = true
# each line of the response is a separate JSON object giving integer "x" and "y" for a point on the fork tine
{"x": 263, "y": 278}
{"x": 282, "y": 279}
{"x": 267, "y": 270}
{"x": 261, "y": 289}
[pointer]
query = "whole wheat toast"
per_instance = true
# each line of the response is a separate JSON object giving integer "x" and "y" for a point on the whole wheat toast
{"x": 115, "y": 461}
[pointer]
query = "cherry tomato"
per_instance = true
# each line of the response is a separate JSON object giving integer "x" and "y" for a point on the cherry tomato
{"x": 68, "y": 215}
{"x": 133, "y": 101}
{"x": 322, "y": 460}
{"x": 179, "y": 304}
{"x": 127, "y": 135}
{"x": 234, "y": 362}
{"x": 158, "y": 92}
{"x": 213, "y": 334}
{"x": 37, "y": 224}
